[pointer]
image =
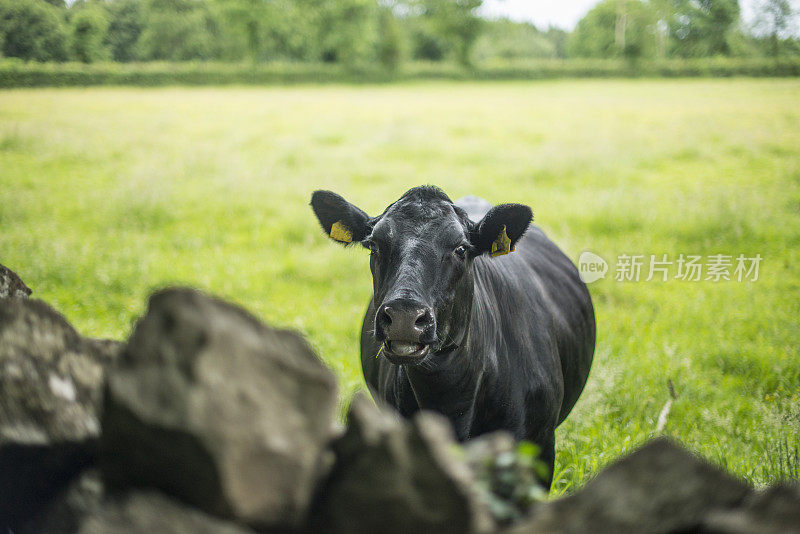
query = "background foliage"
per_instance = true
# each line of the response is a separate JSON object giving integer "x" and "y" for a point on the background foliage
{"x": 15, "y": 73}
{"x": 380, "y": 33}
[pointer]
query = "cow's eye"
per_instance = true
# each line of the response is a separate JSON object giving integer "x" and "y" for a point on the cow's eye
{"x": 460, "y": 251}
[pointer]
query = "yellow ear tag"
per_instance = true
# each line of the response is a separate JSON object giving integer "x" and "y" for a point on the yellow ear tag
{"x": 501, "y": 245}
{"x": 341, "y": 233}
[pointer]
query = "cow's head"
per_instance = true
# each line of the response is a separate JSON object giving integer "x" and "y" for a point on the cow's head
{"x": 422, "y": 250}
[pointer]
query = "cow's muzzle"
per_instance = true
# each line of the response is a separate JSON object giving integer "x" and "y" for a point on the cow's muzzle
{"x": 407, "y": 329}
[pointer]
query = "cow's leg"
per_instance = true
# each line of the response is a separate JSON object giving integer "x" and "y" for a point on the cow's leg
{"x": 548, "y": 456}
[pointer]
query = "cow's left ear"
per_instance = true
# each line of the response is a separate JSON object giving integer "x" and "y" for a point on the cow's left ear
{"x": 498, "y": 232}
{"x": 342, "y": 221}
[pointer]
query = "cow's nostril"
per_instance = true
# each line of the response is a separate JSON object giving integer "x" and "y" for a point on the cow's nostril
{"x": 424, "y": 319}
{"x": 383, "y": 321}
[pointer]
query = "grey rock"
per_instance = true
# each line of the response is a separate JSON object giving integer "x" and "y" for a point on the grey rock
{"x": 84, "y": 508}
{"x": 82, "y": 498}
{"x": 11, "y": 286}
{"x": 775, "y": 510}
{"x": 148, "y": 512}
{"x": 659, "y": 488}
{"x": 213, "y": 407}
{"x": 397, "y": 476}
{"x": 51, "y": 383}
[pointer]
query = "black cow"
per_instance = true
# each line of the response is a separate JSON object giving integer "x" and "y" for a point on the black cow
{"x": 492, "y": 341}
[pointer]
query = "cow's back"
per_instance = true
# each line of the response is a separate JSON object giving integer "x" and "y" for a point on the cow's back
{"x": 539, "y": 267}
{"x": 544, "y": 293}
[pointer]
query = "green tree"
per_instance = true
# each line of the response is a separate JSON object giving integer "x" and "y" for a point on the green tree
{"x": 662, "y": 13}
{"x": 291, "y": 30}
{"x": 178, "y": 30}
{"x": 702, "y": 27}
{"x": 744, "y": 44}
{"x": 560, "y": 40}
{"x": 776, "y": 16}
{"x": 88, "y": 28}
{"x": 391, "y": 41}
{"x": 348, "y": 31}
{"x": 454, "y": 21}
{"x": 458, "y": 21}
{"x": 426, "y": 43}
{"x": 126, "y": 20}
{"x": 511, "y": 40}
{"x": 615, "y": 28}
{"x": 32, "y": 29}
{"x": 248, "y": 21}
{"x": 594, "y": 35}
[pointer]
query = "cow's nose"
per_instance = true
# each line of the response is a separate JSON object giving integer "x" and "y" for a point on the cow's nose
{"x": 406, "y": 322}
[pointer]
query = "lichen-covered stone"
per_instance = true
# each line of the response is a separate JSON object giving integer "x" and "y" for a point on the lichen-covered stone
{"x": 82, "y": 497}
{"x": 213, "y": 407}
{"x": 775, "y": 510}
{"x": 11, "y": 285}
{"x": 148, "y": 512}
{"x": 659, "y": 488}
{"x": 394, "y": 476}
{"x": 51, "y": 383}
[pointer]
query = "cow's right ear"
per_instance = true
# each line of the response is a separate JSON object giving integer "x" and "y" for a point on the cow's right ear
{"x": 500, "y": 229}
{"x": 342, "y": 221}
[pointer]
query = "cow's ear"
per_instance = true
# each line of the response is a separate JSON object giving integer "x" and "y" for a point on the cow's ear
{"x": 342, "y": 221}
{"x": 498, "y": 232}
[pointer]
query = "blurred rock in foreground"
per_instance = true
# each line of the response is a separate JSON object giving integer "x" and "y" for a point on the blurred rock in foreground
{"x": 658, "y": 488}
{"x": 81, "y": 498}
{"x": 51, "y": 383}
{"x": 775, "y": 510}
{"x": 395, "y": 476}
{"x": 11, "y": 286}
{"x": 149, "y": 512}
{"x": 209, "y": 405}
{"x": 215, "y": 423}
{"x": 84, "y": 509}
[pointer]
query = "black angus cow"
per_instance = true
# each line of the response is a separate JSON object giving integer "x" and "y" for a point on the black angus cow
{"x": 490, "y": 340}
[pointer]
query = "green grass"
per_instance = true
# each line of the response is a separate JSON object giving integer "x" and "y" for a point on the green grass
{"x": 106, "y": 194}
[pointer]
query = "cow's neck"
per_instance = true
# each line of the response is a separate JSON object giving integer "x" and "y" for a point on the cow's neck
{"x": 450, "y": 387}
{"x": 449, "y": 382}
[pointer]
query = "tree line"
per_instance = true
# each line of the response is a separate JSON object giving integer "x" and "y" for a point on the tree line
{"x": 365, "y": 33}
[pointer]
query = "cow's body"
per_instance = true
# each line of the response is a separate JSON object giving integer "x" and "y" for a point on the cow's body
{"x": 526, "y": 355}
{"x": 475, "y": 314}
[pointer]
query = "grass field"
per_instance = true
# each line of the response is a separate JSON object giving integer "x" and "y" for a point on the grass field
{"x": 106, "y": 194}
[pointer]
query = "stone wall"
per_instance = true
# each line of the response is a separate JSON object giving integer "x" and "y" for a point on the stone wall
{"x": 208, "y": 421}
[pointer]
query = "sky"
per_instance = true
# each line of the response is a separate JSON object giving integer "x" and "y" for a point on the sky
{"x": 566, "y": 13}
